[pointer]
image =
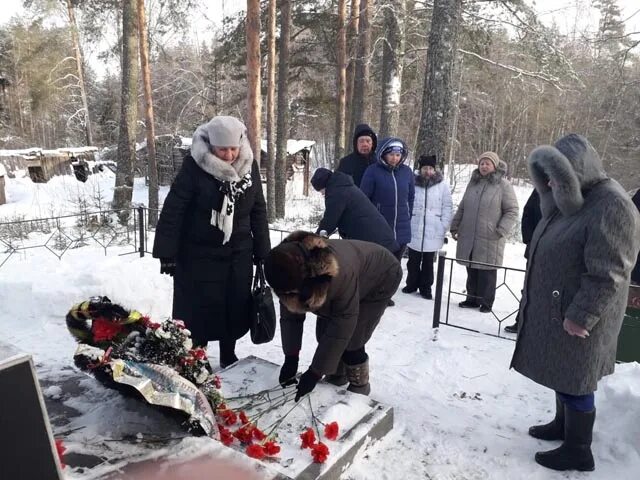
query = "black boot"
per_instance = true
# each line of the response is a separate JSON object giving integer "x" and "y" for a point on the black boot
{"x": 227, "y": 353}
{"x": 554, "y": 430}
{"x": 575, "y": 452}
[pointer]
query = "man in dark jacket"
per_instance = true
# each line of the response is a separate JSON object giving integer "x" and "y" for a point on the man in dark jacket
{"x": 531, "y": 215}
{"x": 350, "y": 211}
{"x": 365, "y": 142}
{"x": 347, "y": 284}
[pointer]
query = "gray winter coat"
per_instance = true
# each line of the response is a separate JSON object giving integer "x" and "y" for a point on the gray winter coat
{"x": 581, "y": 256}
{"x": 486, "y": 215}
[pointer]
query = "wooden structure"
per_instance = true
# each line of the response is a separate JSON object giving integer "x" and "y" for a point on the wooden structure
{"x": 42, "y": 165}
{"x": 298, "y": 156}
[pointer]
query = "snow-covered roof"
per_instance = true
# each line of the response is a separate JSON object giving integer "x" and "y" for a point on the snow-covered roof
{"x": 30, "y": 153}
{"x": 293, "y": 146}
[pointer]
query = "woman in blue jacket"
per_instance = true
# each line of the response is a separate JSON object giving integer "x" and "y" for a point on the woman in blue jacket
{"x": 389, "y": 184}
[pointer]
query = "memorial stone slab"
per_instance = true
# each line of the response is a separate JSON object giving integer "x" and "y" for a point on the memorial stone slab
{"x": 135, "y": 432}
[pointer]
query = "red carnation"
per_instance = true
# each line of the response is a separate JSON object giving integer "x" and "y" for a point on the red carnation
{"x": 225, "y": 435}
{"x": 271, "y": 448}
{"x": 258, "y": 434}
{"x": 199, "y": 353}
{"x": 61, "y": 449}
{"x": 243, "y": 418}
{"x": 216, "y": 382}
{"x": 308, "y": 438}
{"x": 331, "y": 430}
{"x": 147, "y": 322}
{"x": 244, "y": 434}
{"x": 256, "y": 451}
{"x": 103, "y": 329}
{"x": 319, "y": 452}
{"x": 230, "y": 418}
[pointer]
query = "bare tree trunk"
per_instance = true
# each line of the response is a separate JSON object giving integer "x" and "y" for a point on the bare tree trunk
{"x": 126, "y": 155}
{"x": 283, "y": 108}
{"x": 152, "y": 163}
{"x": 361, "y": 80}
{"x": 438, "y": 86}
{"x": 271, "y": 112}
{"x": 341, "y": 80}
{"x": 352, "y": 39}
{"x": 254, "y": 98}
{"x": 80, "y": 65}
{"x": 392, "y": 58}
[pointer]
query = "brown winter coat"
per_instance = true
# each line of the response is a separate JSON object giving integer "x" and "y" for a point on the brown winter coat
{"x": 361, "y": 278}
{"x": 581, "y": 256}
{"x": 486, "y": 215}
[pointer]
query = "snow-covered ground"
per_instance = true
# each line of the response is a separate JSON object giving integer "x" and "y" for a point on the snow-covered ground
{"x": 460, "y": 413}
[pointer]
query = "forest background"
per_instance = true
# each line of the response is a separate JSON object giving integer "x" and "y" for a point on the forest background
{"x": 451, "y": 77}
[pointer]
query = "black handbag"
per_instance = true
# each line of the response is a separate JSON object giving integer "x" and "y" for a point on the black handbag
{"x": 263, "y": 313}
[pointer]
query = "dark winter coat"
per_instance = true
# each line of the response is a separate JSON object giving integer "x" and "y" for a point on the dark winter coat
{"x": 212, "y": 281}
{"x": 486, "y": 215}
{"x": 357, "y": 281}
{"x": 392, "y": 191}
{"x": 635, "y": 274}
{"x": 350, "y": 211}
{"x": 581, "y": 256}
{"x": 355, "y": 164}
{"x": 531, "y": 215}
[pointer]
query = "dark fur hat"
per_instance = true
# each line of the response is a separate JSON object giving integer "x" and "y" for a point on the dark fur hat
{"x": 427, "y": 160}
{"x": 300, "y": 270}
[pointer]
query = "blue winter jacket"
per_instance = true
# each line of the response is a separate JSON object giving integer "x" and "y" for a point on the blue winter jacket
{"x": 391, "y": 190}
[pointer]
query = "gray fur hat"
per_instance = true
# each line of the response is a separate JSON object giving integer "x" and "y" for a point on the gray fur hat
{"x": 222, "y": 131}
{"x": 225, "y": 131}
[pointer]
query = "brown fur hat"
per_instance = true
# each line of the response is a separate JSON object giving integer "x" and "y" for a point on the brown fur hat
{"x": 300, "y": 270}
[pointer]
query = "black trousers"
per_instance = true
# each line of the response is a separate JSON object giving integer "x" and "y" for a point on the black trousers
{"x": 481, "y": 286}
{"x": 420, "y": 270}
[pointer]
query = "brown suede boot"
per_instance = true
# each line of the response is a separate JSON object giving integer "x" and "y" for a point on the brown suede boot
{"x": 339, "y": 378}
{"x": 358, "y": 376}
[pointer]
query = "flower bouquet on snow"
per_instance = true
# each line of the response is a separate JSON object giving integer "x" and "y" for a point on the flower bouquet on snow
{"x": 126, "y": 349}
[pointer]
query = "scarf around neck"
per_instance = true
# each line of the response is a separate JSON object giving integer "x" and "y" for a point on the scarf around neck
{"x": 232, "y": 191}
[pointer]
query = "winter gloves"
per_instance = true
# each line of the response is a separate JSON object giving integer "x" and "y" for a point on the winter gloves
{"x": 308, "y": 381}
{"x": 168, "y": 266}
{"x": 288, "y": 371}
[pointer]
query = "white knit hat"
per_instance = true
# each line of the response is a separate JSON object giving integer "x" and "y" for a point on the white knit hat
{"x": 224, "y": 131}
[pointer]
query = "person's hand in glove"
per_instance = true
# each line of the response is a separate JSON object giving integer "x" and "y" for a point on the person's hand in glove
{"x": 306, "y": 384}
{"x": 288, "y": 371}
{"x": 168, "y": 266}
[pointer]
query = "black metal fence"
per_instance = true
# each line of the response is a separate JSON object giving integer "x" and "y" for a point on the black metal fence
{"x": 127, "y": 229}
{"x": 507, "y": 285}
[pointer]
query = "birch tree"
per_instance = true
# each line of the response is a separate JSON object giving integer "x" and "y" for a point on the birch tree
{"x": 341, "y": 80}
{"x": 433, "y": 134}
{"x": 126, "y": 155}
{"x": 283, "y": 108}
{"x": 271, "y": 110}
{"x": 392, "y": 61}
{"x": 361, "y": 73}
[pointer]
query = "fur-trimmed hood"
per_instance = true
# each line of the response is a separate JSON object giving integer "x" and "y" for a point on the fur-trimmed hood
{"x": 493, "y": 177}
{"x": 300, "y": 271}
{"x": 574, "y": 167}
{"x": 429, "y": 181}
{"x": 201, "y": 150}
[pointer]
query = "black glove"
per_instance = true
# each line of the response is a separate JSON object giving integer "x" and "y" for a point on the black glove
{"x": 288, "y": 371}
{"x": 308, "y": 381}
{"x": 168, "y": 266}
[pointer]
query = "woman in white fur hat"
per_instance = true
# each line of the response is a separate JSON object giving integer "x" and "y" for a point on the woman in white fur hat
{"x": 213, "y": 224}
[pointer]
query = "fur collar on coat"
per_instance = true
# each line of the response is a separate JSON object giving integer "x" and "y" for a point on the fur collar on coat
{"x": 213, "y": 165}
{"x": 319, "y": 267}
{"x": 574, "y": 167}
{"x": 494, "y": 177}
{"x": 428, "y": 182}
